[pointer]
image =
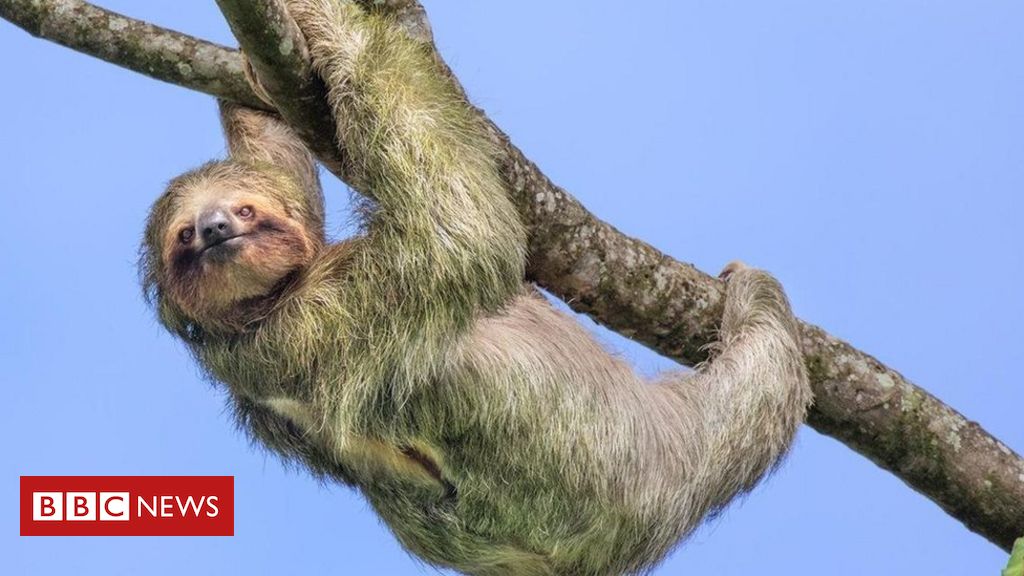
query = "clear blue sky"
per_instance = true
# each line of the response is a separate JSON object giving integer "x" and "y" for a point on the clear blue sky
{"x": 870, "y": 153}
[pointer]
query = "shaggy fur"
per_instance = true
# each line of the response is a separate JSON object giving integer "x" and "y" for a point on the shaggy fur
{"x": 490, "y": 431}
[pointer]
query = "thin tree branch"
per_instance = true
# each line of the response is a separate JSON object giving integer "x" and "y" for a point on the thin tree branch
{"x": 154, "y": 51}
{"x": 621, "y": 282}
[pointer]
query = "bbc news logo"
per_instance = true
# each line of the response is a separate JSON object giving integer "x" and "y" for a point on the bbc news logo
{"x": 127, "y": 505}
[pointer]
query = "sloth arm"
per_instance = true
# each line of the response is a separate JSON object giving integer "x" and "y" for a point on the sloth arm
{"x": 264, "y": 139}
{"x": 443, "y": 243}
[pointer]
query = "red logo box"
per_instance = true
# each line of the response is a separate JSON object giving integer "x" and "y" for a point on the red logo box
{"x": 127, "y": 505}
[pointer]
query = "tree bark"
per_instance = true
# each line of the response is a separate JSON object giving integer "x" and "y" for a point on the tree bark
{"x": 154, "y": 51}
{"x": 623, "y": 283}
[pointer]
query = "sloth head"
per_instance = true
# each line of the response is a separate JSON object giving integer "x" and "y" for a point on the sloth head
{"x": 223, "y": 241}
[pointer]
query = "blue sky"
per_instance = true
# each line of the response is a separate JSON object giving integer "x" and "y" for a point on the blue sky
{"x": 870, "y": 153}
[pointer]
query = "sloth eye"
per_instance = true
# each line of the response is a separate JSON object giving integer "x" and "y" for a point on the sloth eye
{"x": 186, "y": 235}
{"x": 245, "y": 211}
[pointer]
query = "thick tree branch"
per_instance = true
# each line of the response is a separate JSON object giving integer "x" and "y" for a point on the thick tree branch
{"x": 622, "y": 282}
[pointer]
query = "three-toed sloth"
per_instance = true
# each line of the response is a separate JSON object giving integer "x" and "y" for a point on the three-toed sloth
{"x": 490, "y": 431}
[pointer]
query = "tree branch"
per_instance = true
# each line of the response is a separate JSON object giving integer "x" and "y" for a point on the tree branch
{"x": 621, "y": 282}
{"x": 154, "y": 51}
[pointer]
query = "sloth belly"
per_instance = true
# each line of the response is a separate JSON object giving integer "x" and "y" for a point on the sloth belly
{"x": 502, "y": 515}
{"x": 438, "y": 525}
{"x": 406, "y": 485}
{"x": 499, "y": 526}
{"x": 493, "y": 519}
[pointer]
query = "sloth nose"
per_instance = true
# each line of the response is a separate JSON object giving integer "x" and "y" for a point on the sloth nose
{"x": 215, "y": 225}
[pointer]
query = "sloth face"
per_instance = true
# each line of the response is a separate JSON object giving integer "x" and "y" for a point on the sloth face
{"x": 226, "y": 244}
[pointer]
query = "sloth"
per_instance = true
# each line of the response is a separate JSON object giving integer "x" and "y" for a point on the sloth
{"x": 490, "y": 431}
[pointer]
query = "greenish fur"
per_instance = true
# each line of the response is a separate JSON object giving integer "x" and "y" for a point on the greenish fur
{"x": 554, "y": 457}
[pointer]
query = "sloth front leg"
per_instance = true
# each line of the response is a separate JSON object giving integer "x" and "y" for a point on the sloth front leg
{"x": 443, "y": 243}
